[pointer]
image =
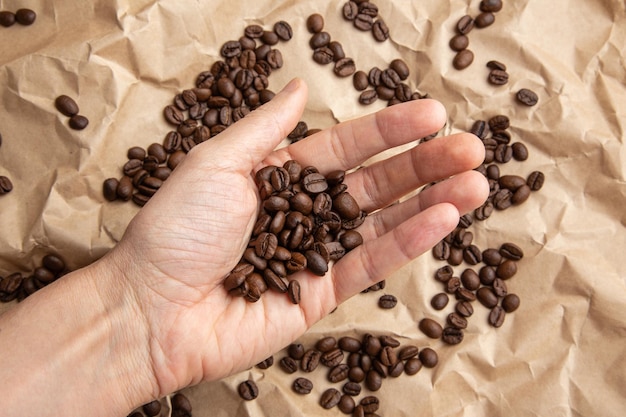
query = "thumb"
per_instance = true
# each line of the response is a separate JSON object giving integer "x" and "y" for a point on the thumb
{"x": 259, "y": 133}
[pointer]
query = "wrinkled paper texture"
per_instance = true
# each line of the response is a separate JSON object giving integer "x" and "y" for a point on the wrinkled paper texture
{"x": 561, "y": 354}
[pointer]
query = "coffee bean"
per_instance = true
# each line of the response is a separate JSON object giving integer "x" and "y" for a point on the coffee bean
{"x": 535, "y": 180}
{"x": 248, "y": 390}
{"x": 363, "y": 22}
{"x": 499, "y": 287}
{"x": 470, "y": 279}
{"x": 293, "y": 291}
{"x": 430, "y": 328}
{"x": 66, "y": 105}
{"x": 315, "y": 23}
{"x": 412, "y": 366}
{"x": 484, "y": 19}
{"x": 296, "y": 351}
{"x": 498, "y": 77}
{"x": 368, "y": 97}
{"x": 302, "y": 386}
{"x": 452, "y": 335}
{"x": 387, "y": 301}
{"x": 510, "y": 303}
{"x": 288, "y": 365}
{"x": 152, "y": 409}
{"x": 459, "y": 42}
{"x": 527, "y": 97}
{"x": 457, "y": 320}
{"x": 350, "y": 10}
{"x": 373, "y": 380}
{"x": 181, "y": 404}
{"x": 323, "y": 55}
{"x": 370, "y": 404}
{"x": 490, "y": 5}
{"x": 487, "y": 297}
{"x": 6, "y": 185}
{"x": 346, "y": 404}
{"x": 463, "y": 59}
{"x": 7, "y": 18}
{"x": 25, "y": 17}
{"x": 310, "y": 360}
{"x": 428, "y": 357}
{"x": 496, "y": 65}
{"x": 453, "y": 285}
{"x": 345, "y": 67}
{"x": 439, "y": 301}
{"x": 465, "y": 24}
{"x": 78, "y": 122}
{"x": 349, "y": 344}
{"x": 338, "y": 373}
{"x": 520, "y": 151}
{"x": 496, "y": 316}
{"x": 511, "y": 251}
{"x": 330, "y": 398}
{"x": 464, "y": 308}
{"x": 506, "y": 269}
{"x": 380, "y": 31}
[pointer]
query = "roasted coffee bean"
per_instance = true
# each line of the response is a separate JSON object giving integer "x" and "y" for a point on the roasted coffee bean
{"x": 54, "y": 263}
{"x": 323, "y": 55}
{"x": 248, "y": 390}
{"x": 472, "y": 255}
{"x": 520, "y": 151}
{"x": 412, "y": 366}
{"x": 337, "y": 50}
{"x": 499, "y": 122}
{"x": 296, "y": 351}
{"x": 338, "y": 373}
{"x": 6, "y": 185}
{"x": 371, "y": 345}
{"x": 463, "y": 59}
{"x": 288, "y": 365}
{"x": 441, "y": 251}
{"x": 373, "y": 380}
{"x": 315, "y": 23}
{"x": 408, "y": 352}
{"x": 465, "y": 24}
{"x": 269, "y": 37}
{"x": 25, "y": 17}
{"x": 444, "y": 273}
{"x": 492, "y": 257}
{"x": 464, "y": 308}
{"x": 283, "y": 30}
{"x": 363, "y": 22}
{"x": 326, "y": 344}
{"x": 173, "y": 115}
{"x": 386, "y": 340}
{"x": 360, "y": 80}
{"x": 479, "y": 128}
{"x": 496, "y": 65}
{"x": 66, "y": 105}
{"x": 356, "y": 374}
{"x": 180, "y": 403}
{"x": 266, "y": 363}
{"x": 484, "y": 212}
{"x": 521, "y": 195}
{"x": 11, "y": 283}
{"x": 490, "y": 5}
{"x": 496, "y": 316}
{"x": 457, "y": 320}
{"x": 498, "y": 77}
{"x": 368, "y": 97}
{"x": 316, "y": 263}
{"x": 510, "y": 303}
{"x": 380, "y": 30}
{"x": 346, "y": 404}
{"x": 352, "y": 388}
{"x": 502, "y": 199}
{"x": 459, "y": 42}
{"x": 350, "y": 10}
{"x": 439, "y": 301}
{"x": 345, "y": 67}
{"x": 428, "y": 357}
{"x": 452, "y": 335}
{"x": 401, "y": 68}
{"x": 535, "y": 180}
{"x": 293, "y": 291}
{"x": 332, "y": 357}
{"x": 388, "y": 356}
{"x": 330, "y": 398}
{"x": 7, "y": 18}
{"x": 430, "y": 328}
{"x": 527, "y": 97}
{"x": 470, "y": 279}
{"x": 387, "y": 301}
{"x": 310, "y": 360}
{"x": 302, "y": 386}
{"x": 487, "y": 297}
{"x": 453, "y": 285}
{"x": 484, "y": 19}
{"x": 78, "y": 122}
{"x": 370, "y": 404}
{"x": 349, "y": 344}
{"x": 499, "y": 287}
{"x": 464, "y": 294}
{"x": 506, "y": 269}
{"x": 152, "y": 409}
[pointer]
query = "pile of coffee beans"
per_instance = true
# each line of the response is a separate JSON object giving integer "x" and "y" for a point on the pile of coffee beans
{"x": 180, "y": 404}
{"x": 16, "y": 286}
{"x": 356, "y": 366}
{"x": 222, "y": 95}
{"x": 460, "y": 41}
{"x": 364, "y": 16}
{"x": 384, "y": 84}
{"x": 24, "y": 17}
{"x": 306, "y": 220}
{"x": 488, "y": 283}
{"x": 68, "y": 107}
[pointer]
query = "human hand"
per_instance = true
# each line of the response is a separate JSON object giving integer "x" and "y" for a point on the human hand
{"x": 180, "y": 246}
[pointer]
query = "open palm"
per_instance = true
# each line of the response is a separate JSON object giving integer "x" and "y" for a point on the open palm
{"x": 181, "y": 245}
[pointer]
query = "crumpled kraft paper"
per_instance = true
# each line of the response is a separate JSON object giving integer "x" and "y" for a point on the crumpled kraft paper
{"x": 562, "y": 353}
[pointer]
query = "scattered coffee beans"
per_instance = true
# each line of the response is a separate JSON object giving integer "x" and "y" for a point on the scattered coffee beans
{"x": 17, "y": 286}
{"x": 527, "y": 97}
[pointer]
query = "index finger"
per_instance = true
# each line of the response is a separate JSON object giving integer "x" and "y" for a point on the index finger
{"x": 349, "y": 144}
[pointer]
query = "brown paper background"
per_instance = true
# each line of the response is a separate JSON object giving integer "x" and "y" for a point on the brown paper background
{"x": 561, "y": 354}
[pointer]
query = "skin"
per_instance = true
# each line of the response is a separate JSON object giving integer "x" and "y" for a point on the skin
{"x": 152, "y": 317}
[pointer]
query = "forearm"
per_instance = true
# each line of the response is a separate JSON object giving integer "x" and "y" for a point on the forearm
{"x": 74, "y": 348}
